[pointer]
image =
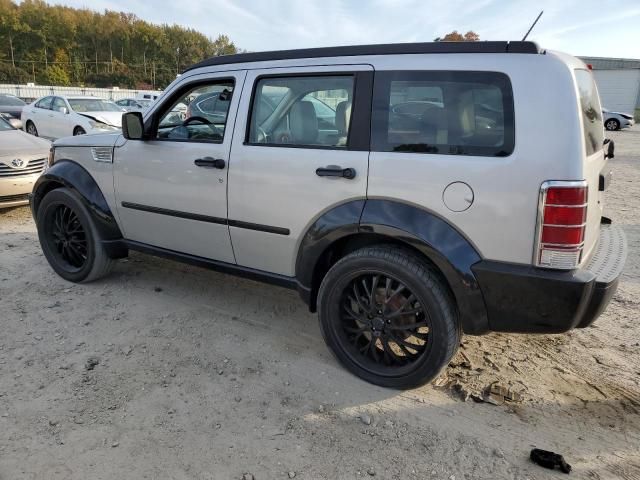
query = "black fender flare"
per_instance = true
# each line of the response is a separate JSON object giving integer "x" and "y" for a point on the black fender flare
{"x": 451, "y": 252}
{"x": 76, "y": 178}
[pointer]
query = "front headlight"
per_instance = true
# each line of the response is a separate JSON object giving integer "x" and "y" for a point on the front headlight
{"x": 102, "y": 126}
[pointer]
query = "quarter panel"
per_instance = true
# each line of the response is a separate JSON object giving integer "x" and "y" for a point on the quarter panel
{"x": 502, "y": 219}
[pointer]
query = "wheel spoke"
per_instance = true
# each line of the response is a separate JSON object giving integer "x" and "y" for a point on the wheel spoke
{"x": 403, "y": 313}
{"x": 358, "y": 298}
{"x": 400, "y": 288}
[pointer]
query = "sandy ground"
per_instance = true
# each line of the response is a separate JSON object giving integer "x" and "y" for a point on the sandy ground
{"x": 206, "y": 376}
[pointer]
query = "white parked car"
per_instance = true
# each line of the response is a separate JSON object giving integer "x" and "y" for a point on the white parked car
{"x": 617, "y": 120}
{"x": 56, "y": 116}
{"x": 22, "y": 160}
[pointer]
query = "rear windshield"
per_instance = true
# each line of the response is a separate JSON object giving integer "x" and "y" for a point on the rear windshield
{"x": 591, "y": 112}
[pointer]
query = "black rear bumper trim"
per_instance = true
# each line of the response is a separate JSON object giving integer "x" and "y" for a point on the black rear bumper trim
{"x": 526, "y": 299}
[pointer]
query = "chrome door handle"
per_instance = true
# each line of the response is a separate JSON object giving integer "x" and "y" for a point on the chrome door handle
{"x": 334, "y": 171}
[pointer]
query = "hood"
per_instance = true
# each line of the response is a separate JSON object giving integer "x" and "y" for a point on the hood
{"x": 110, "y": 118}
{"x": 18, "y": 143}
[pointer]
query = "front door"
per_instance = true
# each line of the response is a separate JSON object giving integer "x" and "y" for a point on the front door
{"x": 171, "y": 189}
{"x": 300, "y": 148}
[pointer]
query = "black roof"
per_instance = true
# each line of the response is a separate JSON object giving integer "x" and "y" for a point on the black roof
{"x": 383, "y": 49}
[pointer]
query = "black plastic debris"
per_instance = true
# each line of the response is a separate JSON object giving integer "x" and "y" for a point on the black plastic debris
{"x": 549, "y": 460}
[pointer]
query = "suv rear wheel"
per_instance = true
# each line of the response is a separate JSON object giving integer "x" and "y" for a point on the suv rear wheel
{"x": 388, "y": 317}
{"x": 69, "y": 238}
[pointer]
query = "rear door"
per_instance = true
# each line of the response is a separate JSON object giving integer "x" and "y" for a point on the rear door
{"x": 59, "y": 123}
{"x": 39, "y": 115}
{"x": 294, "y": 129}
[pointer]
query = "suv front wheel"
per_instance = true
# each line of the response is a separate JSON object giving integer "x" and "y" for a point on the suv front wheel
{"x": 69, "y": 238}
{"x": 388, "y": 317}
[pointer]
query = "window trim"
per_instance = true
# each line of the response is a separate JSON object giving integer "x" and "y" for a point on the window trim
{"x": 358, "y": 136}
{"x": 152, "y": 123}
{"x": 380, "y": 112}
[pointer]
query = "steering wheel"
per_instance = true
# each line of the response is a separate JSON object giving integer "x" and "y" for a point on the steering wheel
{"x": 199, "y": 119}
{"x": 215, "y": 130}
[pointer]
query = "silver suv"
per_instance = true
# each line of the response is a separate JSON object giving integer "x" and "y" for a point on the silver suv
{"x": 409, "y": 192}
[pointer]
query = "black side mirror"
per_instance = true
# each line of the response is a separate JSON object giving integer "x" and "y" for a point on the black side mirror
{"x": 610, "y": 148}
{"x": 132, "y": 126}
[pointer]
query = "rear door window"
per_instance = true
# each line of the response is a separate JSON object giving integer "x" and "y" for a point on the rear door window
{"x": 441, "y": 112}
{"x": 592, "y": 126}
{"x": 309, "y": 111}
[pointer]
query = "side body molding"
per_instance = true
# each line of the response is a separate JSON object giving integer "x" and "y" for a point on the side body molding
{"x": 447, "y": 248}
{"x": 74, "y": 177}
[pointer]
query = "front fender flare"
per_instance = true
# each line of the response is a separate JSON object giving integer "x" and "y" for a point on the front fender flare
{"x": 71, "y": 175}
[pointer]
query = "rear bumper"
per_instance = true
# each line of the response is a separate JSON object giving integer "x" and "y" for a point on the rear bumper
{"x": 525, "y": 299}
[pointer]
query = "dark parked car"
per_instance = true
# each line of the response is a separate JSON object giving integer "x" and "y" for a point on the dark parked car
{"x": 11, "y": 106}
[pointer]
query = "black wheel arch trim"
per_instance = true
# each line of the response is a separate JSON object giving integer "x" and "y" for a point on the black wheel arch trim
{"x": 421, "y": 229}
{"x": 76, "y": 178}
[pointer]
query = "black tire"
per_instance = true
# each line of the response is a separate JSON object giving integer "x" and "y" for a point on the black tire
{"x": 79, "y": 131}
{"x": 612, "y": 124}
{"x": 69, "y": 239}
{"x": 31, "y": 128}
{"x": 435, "y": 340}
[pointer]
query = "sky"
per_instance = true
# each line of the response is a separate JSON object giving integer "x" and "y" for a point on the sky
{"x": 602, "y": 28}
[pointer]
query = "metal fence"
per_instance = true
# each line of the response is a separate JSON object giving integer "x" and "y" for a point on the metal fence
{"x": 31, "y": 92}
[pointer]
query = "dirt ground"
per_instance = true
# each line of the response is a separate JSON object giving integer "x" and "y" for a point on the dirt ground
{"x": 200, "y": 375}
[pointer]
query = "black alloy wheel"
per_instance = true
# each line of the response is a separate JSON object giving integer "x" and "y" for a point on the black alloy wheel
{"x": 388, "y": 316}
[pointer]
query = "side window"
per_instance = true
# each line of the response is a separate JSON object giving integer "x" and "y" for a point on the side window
{"x": 199, "y": 114}
{"x": 455, "y": 113}
{"x": 593, "y": 128}
{"x": 58, "y": 103}
{"x": 45, "y": 103}
{"x": 302, "y": 111}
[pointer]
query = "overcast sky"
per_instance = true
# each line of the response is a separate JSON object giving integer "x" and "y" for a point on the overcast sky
{"x": 606, "y": 28}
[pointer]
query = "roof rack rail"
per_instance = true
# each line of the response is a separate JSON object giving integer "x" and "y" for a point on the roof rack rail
{"x": 382, "y": 49}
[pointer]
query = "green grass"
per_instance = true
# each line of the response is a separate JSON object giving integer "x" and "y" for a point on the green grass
{"x": 637, "y": 115}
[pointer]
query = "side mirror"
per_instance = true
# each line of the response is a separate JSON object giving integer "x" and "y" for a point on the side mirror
{"x": 63, "y": 110}
{"x": 132, "y": 126}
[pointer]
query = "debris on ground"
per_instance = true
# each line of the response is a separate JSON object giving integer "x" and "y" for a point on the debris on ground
{"x": 92, "y": 362}
{"x": 550, "y": 460}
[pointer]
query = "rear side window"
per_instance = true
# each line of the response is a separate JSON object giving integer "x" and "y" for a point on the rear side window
{"x": 442, "y": 112}
{"x": 591, "y": 112}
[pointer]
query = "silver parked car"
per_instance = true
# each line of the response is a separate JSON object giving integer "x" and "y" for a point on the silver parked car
{"x": 617, "y": 120}
{"x": 22, "y": 159}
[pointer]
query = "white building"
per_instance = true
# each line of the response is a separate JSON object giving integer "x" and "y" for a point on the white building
{"x": 618, "y": 82}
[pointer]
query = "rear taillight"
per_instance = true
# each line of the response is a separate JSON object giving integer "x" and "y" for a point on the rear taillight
{"x": 562, "y": 216}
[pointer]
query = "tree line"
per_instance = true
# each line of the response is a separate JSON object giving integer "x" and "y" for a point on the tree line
{"x": 59, "y": 45}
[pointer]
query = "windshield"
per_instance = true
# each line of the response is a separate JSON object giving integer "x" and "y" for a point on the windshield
{"x": 11, "y": 101}
{"x": 4, "y": 125}
{"x": 93, "y": 105}
{"x": 144, "y": 103}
